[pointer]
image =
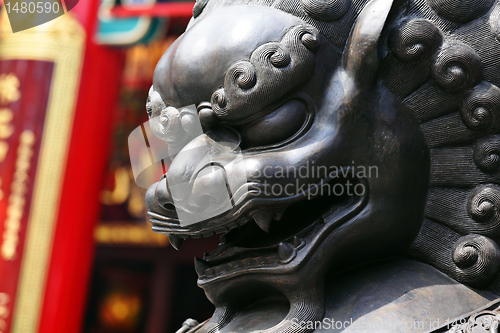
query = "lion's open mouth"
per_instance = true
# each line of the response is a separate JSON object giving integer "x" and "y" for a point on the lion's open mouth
{"x": 255, "y": 240}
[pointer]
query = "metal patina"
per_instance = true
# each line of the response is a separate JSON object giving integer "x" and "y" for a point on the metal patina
{"x": 398, "y": 101}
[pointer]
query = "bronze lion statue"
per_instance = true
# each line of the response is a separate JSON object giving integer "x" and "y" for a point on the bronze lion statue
{"x": 347, "y": 152}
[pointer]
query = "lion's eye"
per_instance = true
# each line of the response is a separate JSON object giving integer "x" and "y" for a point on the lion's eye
{"x": 275, "y": 127}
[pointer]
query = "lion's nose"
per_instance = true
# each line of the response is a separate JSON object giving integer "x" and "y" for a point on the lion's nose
{"x": 210, "y": 187}
{"x": 209, "y": 195}
{"x": 159, "y": 200}
{"x": 202, "y": 152}
{"x": 163, "y": 196}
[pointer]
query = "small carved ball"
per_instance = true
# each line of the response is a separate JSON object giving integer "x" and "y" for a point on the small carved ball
{"x": 208, "y": 118}
{"x": 219, "y": 102}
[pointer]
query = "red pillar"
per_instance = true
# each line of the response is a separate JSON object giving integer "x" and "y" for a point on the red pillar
{"x": 58, "y": 90}
{"x": 73, "y": 245}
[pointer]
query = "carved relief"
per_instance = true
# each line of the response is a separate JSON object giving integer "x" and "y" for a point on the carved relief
{"x": 461, "y": 11}
{"x": 477, "y": 259}
{"x": 405, "y": 86}
{"x": 326, "y": 10}
{"x": 273, "y": 70}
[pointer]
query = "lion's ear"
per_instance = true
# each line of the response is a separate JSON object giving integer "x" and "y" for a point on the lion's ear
{"x": 362, "y": 56}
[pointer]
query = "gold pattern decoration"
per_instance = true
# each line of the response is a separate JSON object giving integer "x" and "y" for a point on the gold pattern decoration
{"x": 6, "y": 115}
{"x": 4, "y": 311}
{"x": 6, "y": 130}
{"x": 17, "y": 200}
{"x": 61, "y": 41}
{"x": 9, "y": 88}
{"x": 125, "y": 233}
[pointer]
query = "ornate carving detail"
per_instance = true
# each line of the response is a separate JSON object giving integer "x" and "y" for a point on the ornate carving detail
{"x": 487, "y": 154}
{"x": 480, "y": 322}
{"x": 415, "y": 38}
{"x": 278, "y": 56}
{"x": 473, "y": 259}
{"x": 466, "y": 211}
{"x": 484, "y": 321}
{"x": 358, "y": 114}
{"x": 457, "y": 67}
{"x": 219, "y": 102}
{"x": 243, "y": 73}
{"x": 326, "y": 10}
{"x": 481, "y": 108}
{"x": 477, "y": 259}
{"x": 310, "y": 41}
{"x": 170, "y": 124}
{"x": 483, "y": 205}
{"x": 461, "y": 11}
{"x": 273, "y": 69}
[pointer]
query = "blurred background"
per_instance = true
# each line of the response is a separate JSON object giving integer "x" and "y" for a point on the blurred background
{"x": 78, "y": 254}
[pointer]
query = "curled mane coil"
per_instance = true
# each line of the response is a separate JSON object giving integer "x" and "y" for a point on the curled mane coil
{"x": 243, "y": 73}
{"x": 477, "y": 260}
{"x": 276, "y": 54}
{"x": 481, "y": 108}
{"x": 414, "y": 39}
{"x": 457, "y": 67}
{"x": 219, "y": 102}
{"x": 487, "y": 154}
{"x": 484, "y": 206}
{"x": 309, "y": 36}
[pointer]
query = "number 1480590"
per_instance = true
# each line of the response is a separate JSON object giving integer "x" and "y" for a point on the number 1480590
{"x": 33, "y": 7}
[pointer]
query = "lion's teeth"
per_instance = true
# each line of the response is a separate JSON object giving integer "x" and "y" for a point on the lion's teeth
{"x": 263, "y": 220}
{"x": 278, "y": 216}
{"x": 223, "y": 239}
{"x": 200, "y": 266}
{"x": 218, "y": 270}
{"x": 285, "y": 251}
{"x": 210, "y": 272}
{"x": 176, "y": 242}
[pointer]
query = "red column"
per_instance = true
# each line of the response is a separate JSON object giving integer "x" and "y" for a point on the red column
{"x": 73, "y": 245}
